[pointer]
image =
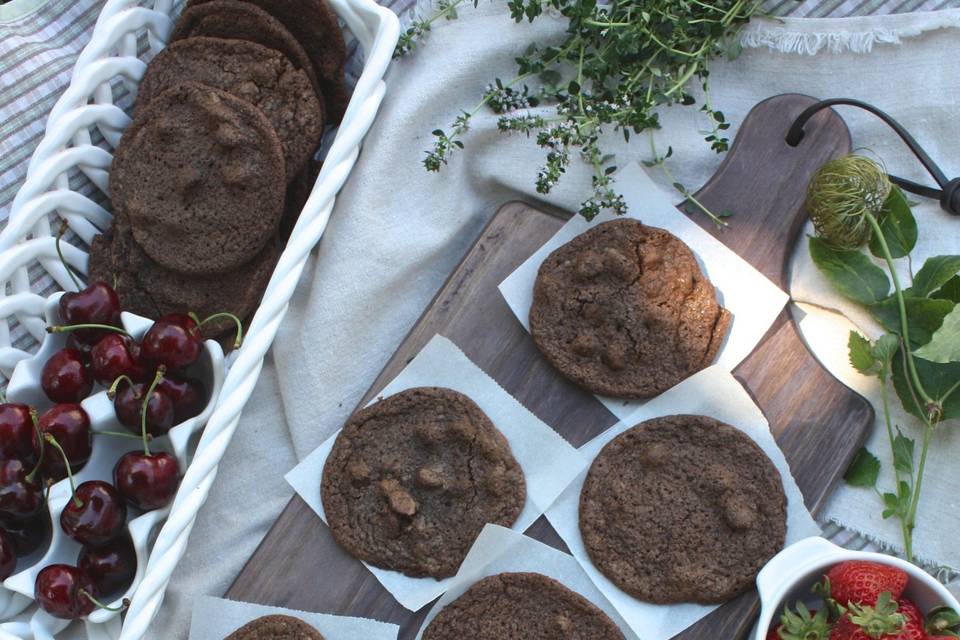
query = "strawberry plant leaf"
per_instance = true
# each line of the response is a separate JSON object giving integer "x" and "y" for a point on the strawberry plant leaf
{"x": 941, "y": 381}
{"x": 863, "y": 470}
{"x": 949, "y": 291}
{"x": 935, "y": 273}
{"x": 944, "y": 345}
{"x": 925, "y": 315}
{"x": 903, "y": 453}
{"x": 898, "y": 226}
{"x": 861, "y": 353}
{"x": 850, "y": 272}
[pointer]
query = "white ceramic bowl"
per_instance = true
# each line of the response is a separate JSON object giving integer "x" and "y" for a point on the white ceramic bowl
{"x": 789, "y": 576}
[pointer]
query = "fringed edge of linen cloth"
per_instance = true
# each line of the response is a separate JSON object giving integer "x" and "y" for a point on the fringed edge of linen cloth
{"x": 808, "y": 36}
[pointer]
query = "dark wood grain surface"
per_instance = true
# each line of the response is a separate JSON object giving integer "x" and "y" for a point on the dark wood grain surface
{"x": 818, "y": 422}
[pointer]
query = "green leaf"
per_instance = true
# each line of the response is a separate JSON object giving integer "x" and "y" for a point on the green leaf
{"x": 861, "y": 353}
{"x": 949, "y": 291}
{"x": 850, "y": 272}
{"x": 863, "y": 470}
{"x": 903, "y": 453}
{"x": 925, "y": 315}
{"x": 941, "y": 382}
{"x": 944, "y": 345}
{"x": 898, "y": 226}
{"x": 935, "y": 273}
{"x": 885, "y": 346}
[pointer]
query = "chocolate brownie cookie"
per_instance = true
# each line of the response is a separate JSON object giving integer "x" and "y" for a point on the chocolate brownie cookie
{"x": 153, "y": 290}
{"x": 234, "y": 19}
{"x": 314, "y": 24}
{"x": 623, "y": 310}
{"x": 412, "y": 479}
{"x": 200, "y": 176}
{"x": 682, "y": 509}
{"x": 275, "y": 628}
{"x": 261, "y": 76}
{"x": 521, "y": 606}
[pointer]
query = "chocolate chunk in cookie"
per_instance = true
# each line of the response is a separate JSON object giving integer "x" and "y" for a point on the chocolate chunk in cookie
{"x": 624, "y": 310}
{"x": 275, "y": 627}
{"x": 521, "y": 606}
{"x": 237, "y": 20}
{"x": 314, "y": 24}
{"x": 261, "y": 76}
{"x": 412, "y": 479}
{"x": 200, "y": 176}
{"x": 682, "y": 509}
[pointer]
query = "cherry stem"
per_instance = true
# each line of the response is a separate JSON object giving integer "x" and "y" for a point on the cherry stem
{"x": 124, "y": 604}
{"x": 40, "y": 441}
{"x": 120, "y": 434}
{"x": 112, "y": 391}
{"x": 66, "y": 328}
{"x": 73, "y": 485}
{"x": 63, "y": 229}
{"x": 143, "y": 409}
{"x": 224, "y": 314}
{"x": 3, "y": 396}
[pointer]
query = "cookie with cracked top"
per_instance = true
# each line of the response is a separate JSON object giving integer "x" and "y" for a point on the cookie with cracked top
{"x": 521, "y": 606}
{"x": 624, "y": 310}
{"x": 263, "y": 77}
{"x": 314, "y": 24}
{"x": 682, "y": 508}
{"x": 412, "y": 479}
{"x": 200, "y": 176}
{"x": 275, "y": 627}
{"x": 238, "y": 20}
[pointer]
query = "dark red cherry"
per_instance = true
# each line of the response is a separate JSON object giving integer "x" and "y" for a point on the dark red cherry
{"x": 147, "y": 481}
{"x": 8, "y": 557}
{"x": 82, "y": 347}
{"x": 173, "y": 341}
{"x": 95, "y": 515}
{"x": 189, "y": 396}
{"x": 97, "y": 304}
{"x": 59, "y": 591}
{"x": 29, "y": 535}
{"x": 128, "y": 404}
{"x": 115, "y": 355}
{"x": 21, "y": 497}
{"x": 69, "y": 424}
{"x": 16, "y": 432}
{"x": 112, "y": 566}
{"x": 65, "y": 377}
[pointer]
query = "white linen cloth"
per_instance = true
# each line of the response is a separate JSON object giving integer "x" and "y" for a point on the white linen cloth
{"x": 397, "y": 232}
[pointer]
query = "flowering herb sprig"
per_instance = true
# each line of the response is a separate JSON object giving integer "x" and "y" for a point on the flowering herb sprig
{"x": 618, "y": 65}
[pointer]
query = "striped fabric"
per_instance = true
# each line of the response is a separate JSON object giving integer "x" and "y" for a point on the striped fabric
{"x": 850, "y": 8}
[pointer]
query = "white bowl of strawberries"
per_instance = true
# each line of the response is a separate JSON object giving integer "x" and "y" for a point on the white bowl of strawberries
{"x": 95, "y": 433}
{"x": 815, "y": 590}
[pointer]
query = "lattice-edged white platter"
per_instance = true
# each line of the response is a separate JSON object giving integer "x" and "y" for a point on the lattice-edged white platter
{"x": 68, "y": 178}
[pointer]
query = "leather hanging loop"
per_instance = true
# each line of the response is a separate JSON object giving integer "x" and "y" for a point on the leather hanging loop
{"x": 949, "y": 190}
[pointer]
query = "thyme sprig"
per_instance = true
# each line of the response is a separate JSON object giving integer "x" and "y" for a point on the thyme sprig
{"x": 618, "y": 65}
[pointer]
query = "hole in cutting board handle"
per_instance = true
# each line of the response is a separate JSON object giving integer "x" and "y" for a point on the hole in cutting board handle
{"x": 949, "y": 192}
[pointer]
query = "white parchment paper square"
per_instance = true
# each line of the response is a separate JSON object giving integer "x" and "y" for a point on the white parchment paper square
{"x": 712, "y": 392}
{"x": 215, "y": 618}
{"x": 499, "y": 550}
{"x": 549, "y": 462}
{"x": 752, "y": 300}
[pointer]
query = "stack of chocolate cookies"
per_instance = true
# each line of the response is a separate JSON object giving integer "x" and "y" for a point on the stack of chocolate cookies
{"x": 208, "y": 180}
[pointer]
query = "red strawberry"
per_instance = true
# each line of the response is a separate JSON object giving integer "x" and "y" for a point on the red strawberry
{"x": 885, "y": 621}
{"x": 862, "y": 582}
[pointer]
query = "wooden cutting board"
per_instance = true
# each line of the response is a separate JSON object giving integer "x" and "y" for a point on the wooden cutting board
{"x": 817, "y": 421}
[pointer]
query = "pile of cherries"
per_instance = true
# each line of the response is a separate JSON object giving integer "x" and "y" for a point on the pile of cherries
{"x": 150, "y": 393}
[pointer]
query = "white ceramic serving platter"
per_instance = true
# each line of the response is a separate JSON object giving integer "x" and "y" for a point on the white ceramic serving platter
{"x": 83, "y": 127}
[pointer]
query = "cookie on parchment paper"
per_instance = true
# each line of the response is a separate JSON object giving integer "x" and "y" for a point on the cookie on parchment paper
{"x": 275, "y": 627}
{"x": 412, "y": 479}
{"x": 682, "y": 508}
